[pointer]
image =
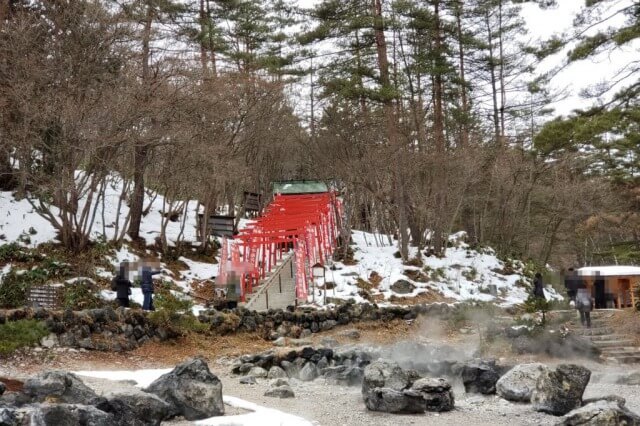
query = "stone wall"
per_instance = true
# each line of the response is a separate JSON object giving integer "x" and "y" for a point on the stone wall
{"x": 109, "y": 329}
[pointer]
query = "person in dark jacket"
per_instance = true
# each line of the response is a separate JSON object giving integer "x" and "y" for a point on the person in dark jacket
{"x": 571, "y": 283}
{"x": 538, "y": 287}
{"x": 146, "y": 282}
{"x": 122, "y": 286}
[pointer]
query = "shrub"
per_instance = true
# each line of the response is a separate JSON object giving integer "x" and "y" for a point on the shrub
{"x": 470, "y": 274}
{"x": 537, "y": 304}
{"x": 175, "y": 314}
{"x": 13, "y": 291}
{"x": 18, "y": 334}
{"x": 12, "y": 252}
{"x": 80, "y": 295}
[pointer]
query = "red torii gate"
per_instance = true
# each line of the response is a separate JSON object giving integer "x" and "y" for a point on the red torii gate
{"x": 306, "y": 223}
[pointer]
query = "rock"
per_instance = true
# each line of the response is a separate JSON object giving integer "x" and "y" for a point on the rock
{"x": 600, "y": 413}
{"x": 50, "y": 341}
{"x": 59, "y": 386}
{"x": 280, "y": 342}
{"x": 519, "y": 382}
{"x": 384, "y": 374}
{"x": 136, "y": 409}
{"x": 329, "y": 342}
{"x": 278, "y": 382}
{"x": 243, "y": 368}
{"x": 480, "y": 376}
{"x": 280, "y": 392}
{"x": 352, "y": 334}
{"x": 248, "y": 380}
{"x": 258, "y": 372}
{"x": 436, "y": 394}
{"x": 191, "y": 390}
{"x": 290, "y": 368}
{"x": 393, "y": 401}
{"x": 403, "y": 287}
{"x": 2, "y": 388}
{"x": 69, "y": 414}
{"x": 611, "y": 398}
{"x": 276, "y": 372}
{"x": 560, "y": 391}
{"x": 309, "y": 372}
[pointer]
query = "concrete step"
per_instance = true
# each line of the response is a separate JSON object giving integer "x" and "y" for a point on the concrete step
{"x": 620, "y": 351}
{"x": 595, "y": 331}
{"x": 600, "y": 338}
{"x": 613, "y": 343}
{"x": 627, "y": 359}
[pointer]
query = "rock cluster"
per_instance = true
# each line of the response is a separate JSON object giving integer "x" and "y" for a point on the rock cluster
{"x": 61, "y": 398}
{"x": 343, "y": 366}
{"x": 387, "y": 387}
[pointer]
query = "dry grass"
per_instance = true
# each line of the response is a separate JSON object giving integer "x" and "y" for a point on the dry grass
{"x": 429, "y": 296}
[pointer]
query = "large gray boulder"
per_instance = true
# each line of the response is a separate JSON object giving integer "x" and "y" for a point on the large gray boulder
{"x": 600, "y": 413}
{"x": 384, "y": 374}
{"x": 560, "y": 391}
{"x": 68, "y": 415}
{"x": 136, "y": 408}
{"x": 191, "y": 390}
{"x": 480, "y": 376}
{"x": 394, "y": 401}
{"x": 59, "y": 387}
{"x": 258, "y": 372}
{"x": 276, "y": 372}
{"x": 519, "y": 382}
{"x": 436, "y": 394}
{"x": 309, "y": 372}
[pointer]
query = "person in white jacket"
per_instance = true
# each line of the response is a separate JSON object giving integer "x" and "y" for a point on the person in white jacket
{"x": 584, "y": 305}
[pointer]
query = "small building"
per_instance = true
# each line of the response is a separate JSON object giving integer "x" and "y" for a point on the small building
{"x": 611, "y": 286}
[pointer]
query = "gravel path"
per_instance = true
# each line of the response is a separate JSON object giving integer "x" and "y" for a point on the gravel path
{"x": 331, "y": 405}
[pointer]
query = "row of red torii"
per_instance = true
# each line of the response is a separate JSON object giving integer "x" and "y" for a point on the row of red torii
{"x": 305, "y": 223}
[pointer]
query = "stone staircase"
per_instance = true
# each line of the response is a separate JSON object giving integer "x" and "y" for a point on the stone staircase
{"x": 277, "y": 290}
{"x": 615, "y": 347}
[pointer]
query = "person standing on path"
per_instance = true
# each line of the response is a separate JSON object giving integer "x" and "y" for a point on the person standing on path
{"x": 584, "y": 305}
{"x": 538, "y": 287}
{"x": 122, "y": 286}
{"x": 146, "y": 282}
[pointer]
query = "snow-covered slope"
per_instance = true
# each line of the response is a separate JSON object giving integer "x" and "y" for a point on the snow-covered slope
{"x": 463, "y": 274}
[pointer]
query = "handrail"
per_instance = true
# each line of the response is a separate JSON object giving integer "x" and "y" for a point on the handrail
{"x": 264, "y": 287}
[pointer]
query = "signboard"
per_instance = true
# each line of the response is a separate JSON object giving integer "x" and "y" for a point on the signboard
{"x": 221, "y": 226}
{"x": 252, "y": 202}
{"x": 46, "y": 296}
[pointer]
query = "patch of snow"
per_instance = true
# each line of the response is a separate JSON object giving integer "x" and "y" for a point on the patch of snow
{"x": 259, "y": 415}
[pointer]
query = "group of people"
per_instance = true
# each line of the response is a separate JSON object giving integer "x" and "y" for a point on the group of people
{"x": 121, "y": 283}
{"x": 577, "y": 291}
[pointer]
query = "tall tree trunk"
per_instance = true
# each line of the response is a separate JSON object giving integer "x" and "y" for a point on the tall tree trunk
{"x": 494, "y": 89}
{"x": 391, "y": 126}
{"x": 464, "y": 131}
{"x": 439, "y": 137}
{"x": 141, "y": 152}
{"x": 503, "y": 95}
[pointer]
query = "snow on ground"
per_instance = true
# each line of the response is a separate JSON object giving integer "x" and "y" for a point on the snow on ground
{"x": 19, "y": 221}
{"x": 463, "y": 274}
{"x": 258, "y": 416}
